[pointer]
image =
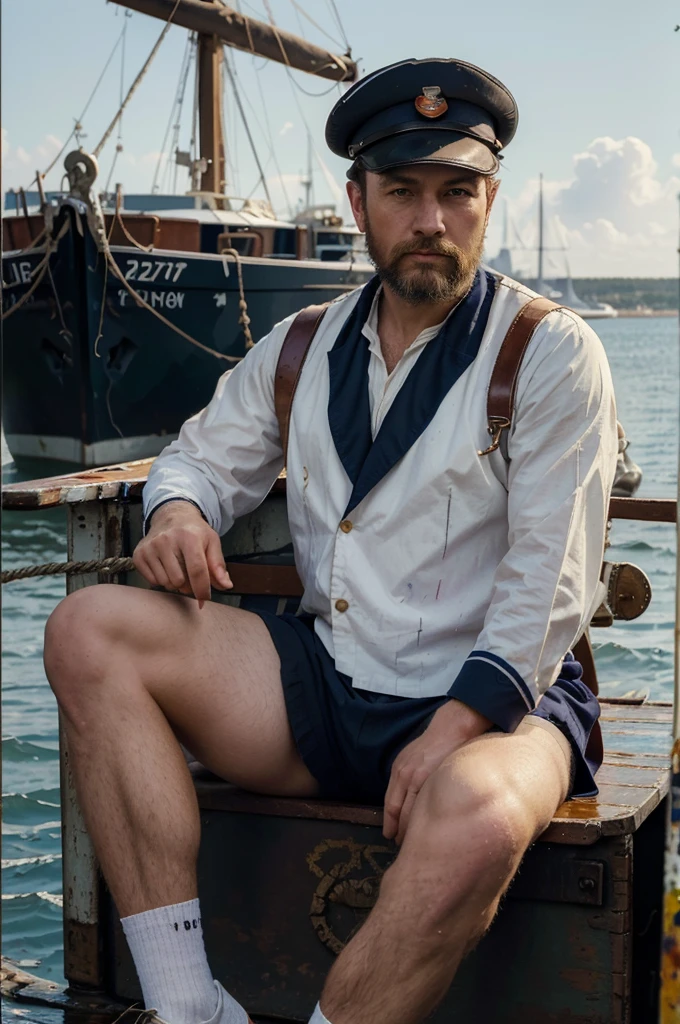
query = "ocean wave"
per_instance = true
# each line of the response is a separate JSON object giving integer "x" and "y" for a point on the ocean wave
{"x": 20, "y": 862}
{"x": 55, "y": 898}
{"x": 14, "y": 749}
{"x": 28, "y": 808}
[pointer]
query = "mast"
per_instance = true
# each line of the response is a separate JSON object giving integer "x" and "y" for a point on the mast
{"x": 307, "y": 182}
{"x": 210, "y": 113}
{"x": 540, "y": 283}
{"x": 244, "y": 33}
{"x": 216, "y": 24}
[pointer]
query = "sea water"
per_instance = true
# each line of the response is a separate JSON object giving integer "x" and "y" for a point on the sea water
{"x": 643, "y": 354}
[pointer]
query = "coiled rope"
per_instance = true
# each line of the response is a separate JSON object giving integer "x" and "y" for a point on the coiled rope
{"x": 103, "y": 565}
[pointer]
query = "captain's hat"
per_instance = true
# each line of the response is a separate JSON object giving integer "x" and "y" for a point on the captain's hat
{"x": 435, "y": 111}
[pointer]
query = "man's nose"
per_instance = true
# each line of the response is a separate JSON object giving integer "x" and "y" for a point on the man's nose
{"x": 429, "y": 219}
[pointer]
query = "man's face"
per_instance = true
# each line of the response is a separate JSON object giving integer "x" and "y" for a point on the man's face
{"x": 424, "y": 227}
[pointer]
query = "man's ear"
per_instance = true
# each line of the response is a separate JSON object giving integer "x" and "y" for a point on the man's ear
{"x": 356, "y": 201}
{"x": 491, "y": 193}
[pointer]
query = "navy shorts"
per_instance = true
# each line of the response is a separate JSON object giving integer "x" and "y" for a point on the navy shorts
{"x": 348, "y": 738}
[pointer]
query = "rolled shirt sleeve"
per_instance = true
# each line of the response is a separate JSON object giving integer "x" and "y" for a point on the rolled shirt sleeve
{"x": 227, "y": 456}
{"x": 562, "y": 454}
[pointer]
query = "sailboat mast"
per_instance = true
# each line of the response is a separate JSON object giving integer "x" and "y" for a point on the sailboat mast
{"x": 539, "y": 283}
{"x": 210, "y": 113}
{"x": 308, "y": 179}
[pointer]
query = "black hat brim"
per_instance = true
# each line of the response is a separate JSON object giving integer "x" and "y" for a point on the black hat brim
{"x": 429, "y": 146}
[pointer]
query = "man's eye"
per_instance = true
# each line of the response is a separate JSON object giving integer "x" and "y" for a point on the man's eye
{"x": 400, "y": 192}
{"x": 458, "y": 192}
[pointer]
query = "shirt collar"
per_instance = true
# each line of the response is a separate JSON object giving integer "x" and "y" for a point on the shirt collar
{"x": 370, "y": 328}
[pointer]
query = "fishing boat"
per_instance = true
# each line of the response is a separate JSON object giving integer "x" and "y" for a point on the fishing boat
{"x": 120, "y": 313}
{"x": 285, "y": 882}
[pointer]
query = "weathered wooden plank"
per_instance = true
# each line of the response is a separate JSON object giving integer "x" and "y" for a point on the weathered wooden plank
{"x": 627, "y": 796}
{"x": 632, "y": 757}
{"x": 622, "y": 774}
{"x": 657, "y": 510}
{"x": 636, "y": 713}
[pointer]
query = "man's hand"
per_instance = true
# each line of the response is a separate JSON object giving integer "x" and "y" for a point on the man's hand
{"x": 452, "y": 725}
{"x": 181, "y": 552}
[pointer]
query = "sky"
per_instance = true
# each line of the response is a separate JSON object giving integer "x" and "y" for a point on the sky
{"x": 597, "y": 83}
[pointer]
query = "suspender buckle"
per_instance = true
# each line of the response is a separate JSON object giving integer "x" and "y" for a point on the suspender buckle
{"x": 497, "y": 424}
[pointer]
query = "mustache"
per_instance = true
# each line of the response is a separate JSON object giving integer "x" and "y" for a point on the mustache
{"x": 438, "y": 246}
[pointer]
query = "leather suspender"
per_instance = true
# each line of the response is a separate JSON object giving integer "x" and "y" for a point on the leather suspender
{"x": 291, "y": 360}
{"x": 500, "y": 402}
{"x": 500, "y": 399}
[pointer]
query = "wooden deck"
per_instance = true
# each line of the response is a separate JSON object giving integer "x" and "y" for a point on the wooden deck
{"x": 633, "y": 780}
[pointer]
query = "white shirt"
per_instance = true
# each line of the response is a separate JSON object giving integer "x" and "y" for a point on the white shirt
{"x": 460, "y": 574}
{"x": 383, "y": 387}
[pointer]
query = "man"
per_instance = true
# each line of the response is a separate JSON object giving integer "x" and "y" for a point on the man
{"x": 443, "y": 588}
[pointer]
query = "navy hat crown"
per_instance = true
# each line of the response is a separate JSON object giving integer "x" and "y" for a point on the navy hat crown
{"x": 433, "y": 111}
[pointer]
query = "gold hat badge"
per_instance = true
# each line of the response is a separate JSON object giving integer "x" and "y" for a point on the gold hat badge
{"x": 431, "y": 103}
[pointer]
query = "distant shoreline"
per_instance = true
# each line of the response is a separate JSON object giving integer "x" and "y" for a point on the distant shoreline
{"x": 620, "y": 313}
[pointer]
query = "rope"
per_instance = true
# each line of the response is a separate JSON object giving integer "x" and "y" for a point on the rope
{"x": 168, "y": 323}
{"x": 243, "y": 319}
{"x": 136, "y": 82}
{"x": 38, "y": 272}
{"x": 103, "y": 565}
{"x": 117, "y": 217}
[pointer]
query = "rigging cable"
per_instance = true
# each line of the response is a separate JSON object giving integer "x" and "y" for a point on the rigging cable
{"x": 300, "y": 8}
{"x": 138, "y": 79}
{"x": 272, "y": 147}
{"x": 85, "y": 110}
{"x": 287, "y": 63}
{"x": 119, "y": 144}
{"x": 334, "y": 9}
{"x": 183, "y": 71}
{"x": 242, "y": 112}
{"x": 193, "y": 50}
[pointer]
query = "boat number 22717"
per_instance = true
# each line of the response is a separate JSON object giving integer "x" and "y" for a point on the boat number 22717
{"x": 152, "y": 270}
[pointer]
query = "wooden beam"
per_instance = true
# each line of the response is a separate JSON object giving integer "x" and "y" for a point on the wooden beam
{"x": 244, "y": 33}
{"x": 210, "y": 113}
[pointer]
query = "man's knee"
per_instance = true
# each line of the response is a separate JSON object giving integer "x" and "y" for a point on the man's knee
{"x": 77, "y": 635}
{"x": 471, "y": 832}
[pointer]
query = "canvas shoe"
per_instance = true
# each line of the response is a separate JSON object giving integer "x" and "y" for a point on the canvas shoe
{"x": 134, "y": 1015}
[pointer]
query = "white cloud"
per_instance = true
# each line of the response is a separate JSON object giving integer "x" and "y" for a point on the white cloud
{"x": 616, "y": 214}
{"x": 19, "y": 164}
{"x": 286, "y": 128}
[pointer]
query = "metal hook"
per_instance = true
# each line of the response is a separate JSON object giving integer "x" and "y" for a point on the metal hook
{"x": 497, "y": 424}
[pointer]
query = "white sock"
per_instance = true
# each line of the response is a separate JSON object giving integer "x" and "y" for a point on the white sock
{"x": 318, "y": 1017}
{"x": 169, "y": 953}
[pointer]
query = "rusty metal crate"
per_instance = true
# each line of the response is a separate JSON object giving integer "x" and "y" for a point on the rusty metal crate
{"x": 284, "y": 883}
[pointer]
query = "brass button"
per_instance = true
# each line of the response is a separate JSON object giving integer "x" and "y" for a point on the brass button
{"x": 345, "y": 526}
{"x": 342, "y": 605}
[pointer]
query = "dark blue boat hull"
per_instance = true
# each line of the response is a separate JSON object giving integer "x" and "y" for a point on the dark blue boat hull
{"x": 75, "y": 393}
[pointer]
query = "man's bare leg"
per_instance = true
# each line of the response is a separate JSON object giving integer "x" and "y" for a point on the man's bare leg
{"x": 470, "y": 827}
{"x": 130, "y": 666}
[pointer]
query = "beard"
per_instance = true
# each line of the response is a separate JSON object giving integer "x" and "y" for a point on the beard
{"x": 441, "y": 281}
